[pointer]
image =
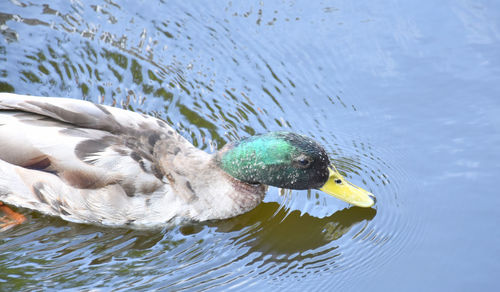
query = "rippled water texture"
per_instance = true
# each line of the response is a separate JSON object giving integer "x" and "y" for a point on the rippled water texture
{"x": 404, "y": 96}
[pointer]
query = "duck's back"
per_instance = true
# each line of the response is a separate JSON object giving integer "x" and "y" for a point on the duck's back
{"x": 83, "y": 162}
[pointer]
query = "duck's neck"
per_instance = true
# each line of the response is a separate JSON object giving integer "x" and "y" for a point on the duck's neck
{"x": 197, "y": 180}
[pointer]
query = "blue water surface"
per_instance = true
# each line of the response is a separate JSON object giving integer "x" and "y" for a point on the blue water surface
{"x": 404, "y": 95}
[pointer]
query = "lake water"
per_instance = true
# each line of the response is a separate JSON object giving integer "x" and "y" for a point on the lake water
{"x": 404, "y": 95}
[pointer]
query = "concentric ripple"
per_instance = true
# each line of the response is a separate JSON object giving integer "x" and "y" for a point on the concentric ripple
{"x": 215, "y": 75}
{"x": 274, "y": 242}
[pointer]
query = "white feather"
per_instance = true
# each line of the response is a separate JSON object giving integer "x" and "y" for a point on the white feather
{"x": 98, "y": 164}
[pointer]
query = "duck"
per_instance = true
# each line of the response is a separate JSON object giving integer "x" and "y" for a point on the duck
{"x": 91, "y": 163}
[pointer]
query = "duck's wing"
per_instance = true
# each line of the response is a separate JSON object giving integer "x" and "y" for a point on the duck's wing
{"x": 85, "y": 114}
{"x": 67, "y": 157}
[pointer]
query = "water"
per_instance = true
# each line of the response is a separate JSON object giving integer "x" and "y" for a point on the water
{"x": 403, "y": 94}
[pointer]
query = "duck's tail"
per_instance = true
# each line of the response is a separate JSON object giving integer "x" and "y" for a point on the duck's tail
{"x": 16, "y": 189}
{"x": 47, "y": 193}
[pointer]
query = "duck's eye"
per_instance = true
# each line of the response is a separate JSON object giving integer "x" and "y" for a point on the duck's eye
{"x": 303, "y": 161}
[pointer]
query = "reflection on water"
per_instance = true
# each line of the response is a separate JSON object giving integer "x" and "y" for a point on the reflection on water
{"x": 215, "y": 75}
{"x": 277, "y": 231}
{"x": 267, "y": 238}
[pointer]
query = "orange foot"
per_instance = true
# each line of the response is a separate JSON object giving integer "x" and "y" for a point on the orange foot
{"x": 10, "y": 218}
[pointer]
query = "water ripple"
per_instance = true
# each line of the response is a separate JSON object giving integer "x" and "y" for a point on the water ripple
{"x": 214, "y": 79}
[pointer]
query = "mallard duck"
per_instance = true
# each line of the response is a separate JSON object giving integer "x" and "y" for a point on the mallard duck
{"x": 97, "y": 164}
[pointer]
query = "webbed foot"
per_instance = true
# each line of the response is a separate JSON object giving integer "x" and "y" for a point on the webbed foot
{"x": 10, "y": 218}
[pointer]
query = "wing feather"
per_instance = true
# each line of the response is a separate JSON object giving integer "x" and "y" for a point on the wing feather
{"x": 82, "y": 113}
{"x": 85, "y": 146}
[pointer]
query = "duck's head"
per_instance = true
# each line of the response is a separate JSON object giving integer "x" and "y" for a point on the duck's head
{"x": 291, "y": 161}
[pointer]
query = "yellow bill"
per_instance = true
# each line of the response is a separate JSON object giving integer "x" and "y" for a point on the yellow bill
{"x": 338, "y": 187}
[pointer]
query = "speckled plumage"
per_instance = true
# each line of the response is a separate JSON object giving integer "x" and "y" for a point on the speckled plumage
{"x": 91, "y": 163}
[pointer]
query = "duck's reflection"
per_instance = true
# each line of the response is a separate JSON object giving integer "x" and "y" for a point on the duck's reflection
{"x": 268, "y": 230}
{"x": 271, "y": 229}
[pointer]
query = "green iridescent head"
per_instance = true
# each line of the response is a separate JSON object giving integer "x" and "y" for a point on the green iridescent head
{"x": 291, "y": 161}
{"x": 279, "y": 159}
